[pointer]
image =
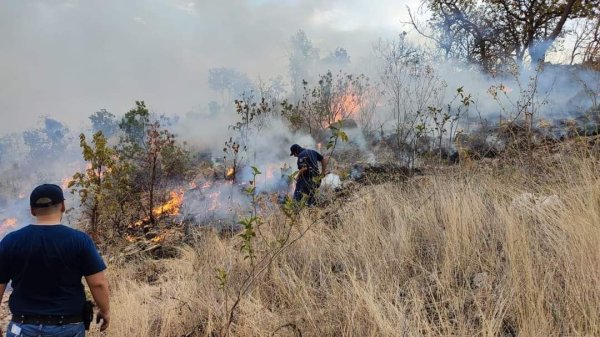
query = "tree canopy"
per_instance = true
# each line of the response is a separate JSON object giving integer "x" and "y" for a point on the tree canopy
{"x": 490, "y": 32}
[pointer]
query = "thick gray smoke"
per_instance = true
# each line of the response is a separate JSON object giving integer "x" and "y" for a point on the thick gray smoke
{"x": 69, "y": 58}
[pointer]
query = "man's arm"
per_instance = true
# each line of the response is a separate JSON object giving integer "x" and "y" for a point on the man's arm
{"x": 300, "y": 173}
{"x": 324, "y": 163}
{"x": 98, "y": 285}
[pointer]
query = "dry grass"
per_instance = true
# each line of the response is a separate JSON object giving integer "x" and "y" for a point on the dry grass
{"x": 463, "y": 253}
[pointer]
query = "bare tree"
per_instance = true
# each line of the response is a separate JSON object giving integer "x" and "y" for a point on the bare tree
{"x": 409, "y": 86}
{"x": 491, "y": 31}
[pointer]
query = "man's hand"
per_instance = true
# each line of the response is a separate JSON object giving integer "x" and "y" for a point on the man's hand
{"x": 99, "y": 288}
{"x": 105, "y": 317}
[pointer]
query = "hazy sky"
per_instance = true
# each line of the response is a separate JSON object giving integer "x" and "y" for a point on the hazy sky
{"x": 69, "y": 58}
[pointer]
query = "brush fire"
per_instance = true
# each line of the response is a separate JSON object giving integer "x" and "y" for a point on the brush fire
{"x": 171, "y": 207}
{"x": 230, "y": 174}
{"x": 7, "y": 226}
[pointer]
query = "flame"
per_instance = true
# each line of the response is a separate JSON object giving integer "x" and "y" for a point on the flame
{"x": 347, "y": 106}
{"x": 10, "y": 222}
{"x": 157, "y": 239}
{"x": 505, "y": 89}
{"x": 65, "y": 183}
{"x": 7, "y": 225}
{"x": 230, "y": 172}
{"x": 130, "y": 238}
{"x": 172, "y": 206}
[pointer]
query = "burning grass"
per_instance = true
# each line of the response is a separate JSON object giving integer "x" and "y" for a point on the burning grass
{"x": 459, "y": 253}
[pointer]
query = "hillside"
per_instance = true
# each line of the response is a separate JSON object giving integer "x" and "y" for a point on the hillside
{"x": 471, "y": 250}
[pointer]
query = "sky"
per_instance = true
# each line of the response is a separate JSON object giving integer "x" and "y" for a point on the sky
{"x": 69, "y": 58}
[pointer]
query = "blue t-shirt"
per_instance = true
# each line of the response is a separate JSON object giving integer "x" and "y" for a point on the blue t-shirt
{"x": 46, "y": 264}
{"x": 309, "y": 159}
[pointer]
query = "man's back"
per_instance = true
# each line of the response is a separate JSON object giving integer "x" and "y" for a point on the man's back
{"x": 45, "y": 264}
{"x": 309, "y": 159}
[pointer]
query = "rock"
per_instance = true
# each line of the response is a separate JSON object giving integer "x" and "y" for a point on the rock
{"x": 331, "y": 181}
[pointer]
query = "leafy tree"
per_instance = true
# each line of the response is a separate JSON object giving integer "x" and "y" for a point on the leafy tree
{"x": 92, "y": 185}
{"x": 134, "y": 125}
{"x": 105, "y": 122}
{"x": 250, "y": 112}
{"x": 153, "y": 156}
{"x": 490, "y": 32}
{"x": 334, "y": 98}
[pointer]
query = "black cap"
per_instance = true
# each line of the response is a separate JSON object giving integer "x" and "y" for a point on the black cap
{"x": 46, "y": 195}
{"x": 295, "y": 149}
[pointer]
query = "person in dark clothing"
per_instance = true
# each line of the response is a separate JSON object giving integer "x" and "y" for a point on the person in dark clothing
{"x": 309, "y": 176}
{"x": 45, "y": 263}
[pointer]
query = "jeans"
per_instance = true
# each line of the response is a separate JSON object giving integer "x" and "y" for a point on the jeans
{"x": 30, "y": 330}
{"x": 305, "y": 189}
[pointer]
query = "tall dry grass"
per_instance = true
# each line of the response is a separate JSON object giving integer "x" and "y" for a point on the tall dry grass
{"x": 468, "y": 252}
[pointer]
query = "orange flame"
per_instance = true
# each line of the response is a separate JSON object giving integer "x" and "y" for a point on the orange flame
{"x": 172, "y": 206}
{"x": 10, "y": 222}
{"x": 157, "y": 239}
{"x": 504, "y": 88}
{"x": 65, "y": 183}
{"x": 230, "y": 172}
{"x": 7, "y": 225}
{"x": 348, "y": 106}
{"x": 130, "y": 238}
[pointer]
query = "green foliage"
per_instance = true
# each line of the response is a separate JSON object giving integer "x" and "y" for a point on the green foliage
{"x": 252, "y": 222}
{"x": 222, "y": 278}
{"x": 442, "y": 121}
{"x": 95, "y": 183}
{"x": 247, "y": 235}
{"x": 249, "y": 112}
{"x": 152, "y": 157}
{"x": 335, "y": 97}
{"x": 134, "y": 124}
{"x": 337, "y": 134}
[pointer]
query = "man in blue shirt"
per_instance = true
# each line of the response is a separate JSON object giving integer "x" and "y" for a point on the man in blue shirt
{"x": 309, "y": 177}
{"x": 45, "y": 263}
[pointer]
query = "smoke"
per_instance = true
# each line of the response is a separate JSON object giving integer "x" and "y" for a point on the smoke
{"x": 265, "y": 148}
{"x": 69, "y": 58}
